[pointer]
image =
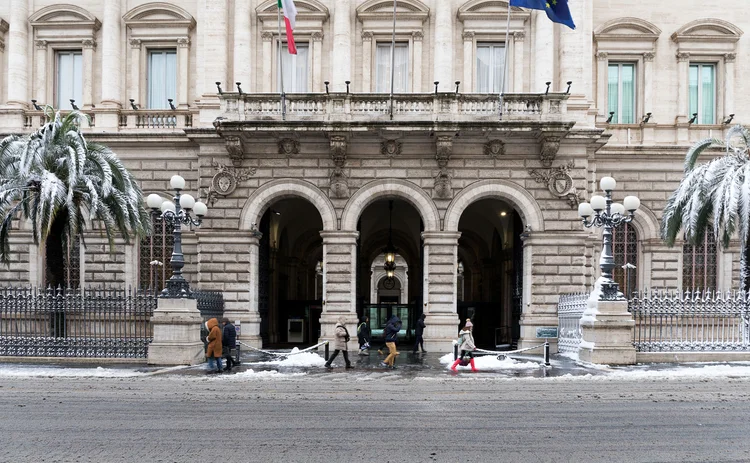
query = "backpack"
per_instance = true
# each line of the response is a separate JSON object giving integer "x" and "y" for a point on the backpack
{"x": 346, "y": 337}
{"x": 359, "y": 328}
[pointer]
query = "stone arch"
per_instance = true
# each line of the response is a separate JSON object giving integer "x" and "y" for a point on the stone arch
{"x": 628, "y": 26}
{"x": 496, "y": 8}
{"x": 305, "y": 8}
{"x": 389, "y": 188}
{"x": 261, "y": 199}
{"x": 63, "y": 12}
{"x": 517, "y": 196}
{"x": 646, "y": 224}
{"x": 159, "y": 13}
{"x": 708, "y": 28}
{"x": 402, "y": 6}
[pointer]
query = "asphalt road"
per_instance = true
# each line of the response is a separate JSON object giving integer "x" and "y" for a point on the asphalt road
{"x": 374, "y": 417}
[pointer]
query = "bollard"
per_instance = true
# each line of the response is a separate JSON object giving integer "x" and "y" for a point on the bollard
{"x": 455, "y": 351}
{"x": 326, "y": 352}
{"x": 546, "y": 352}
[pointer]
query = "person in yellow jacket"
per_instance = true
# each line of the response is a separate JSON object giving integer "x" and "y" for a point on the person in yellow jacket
{"x": 213, "y": 351}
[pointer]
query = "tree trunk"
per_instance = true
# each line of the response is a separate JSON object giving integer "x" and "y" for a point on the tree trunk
{"x": 744, "y": 270}
{"x": 55, "y": 251}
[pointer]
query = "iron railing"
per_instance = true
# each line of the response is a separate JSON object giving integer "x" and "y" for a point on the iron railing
{"x": 570, "y": 308}
{"x": 103, "y": 323}
{"x": 691, "y": 321}
{"x": 94, "y": 323}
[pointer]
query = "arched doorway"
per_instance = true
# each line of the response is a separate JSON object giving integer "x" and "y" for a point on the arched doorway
{"x": 396, "y": 225}
{"x": 289, "y": 292}
{"x": 490, "y": 272}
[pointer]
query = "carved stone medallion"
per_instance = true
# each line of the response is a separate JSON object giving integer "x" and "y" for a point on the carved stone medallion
{"x": 339, "y": 185}
{"x": 226, "y": 179}
{"x": 288, "y": 146}
{"x": 442, "y": 189}
{"x": 559, "y": 182}
{"x": 390, "y": 148}
{"x": 548, "y": 152}
{"x": 494, "y": 148}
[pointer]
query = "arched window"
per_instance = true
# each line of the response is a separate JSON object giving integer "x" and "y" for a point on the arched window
{"x": 625, "y": 250}
{"x": 155, "y": 252}
{"x": 699, "y": 264}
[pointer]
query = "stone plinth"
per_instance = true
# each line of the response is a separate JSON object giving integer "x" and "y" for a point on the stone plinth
{"x": 177, "y": 326}
{"x": 607, "y": 329}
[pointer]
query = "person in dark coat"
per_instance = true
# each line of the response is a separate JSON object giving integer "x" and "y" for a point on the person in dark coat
{"x": 228, "y": 342}
{"x": 391, "y": 336}
{"x": 213, "y": 351}
{"x": 363, "y": 335}
{"x": 418, "y": 332}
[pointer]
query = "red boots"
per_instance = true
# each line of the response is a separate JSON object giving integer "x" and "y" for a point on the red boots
{"x": 473, "y": 368}
{"x": 471, "y": 362}
{"x": 455, "y": 364}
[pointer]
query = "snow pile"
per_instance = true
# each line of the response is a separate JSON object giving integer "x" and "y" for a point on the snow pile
{"x": 724, "y": 370}
{"x": 304, "y": 359}
{"x": 265, "y": 374}
{"x": 35, "y": 371}
{"x": 490, "y": 363}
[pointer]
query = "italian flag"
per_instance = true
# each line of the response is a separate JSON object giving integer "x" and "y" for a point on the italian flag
{"x": 290, "y": 15}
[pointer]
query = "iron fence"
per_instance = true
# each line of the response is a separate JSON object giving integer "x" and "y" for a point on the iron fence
{"x": 93, "y": 323}
{"x": 570, "y": 308}
{"x": 697, "y": 321}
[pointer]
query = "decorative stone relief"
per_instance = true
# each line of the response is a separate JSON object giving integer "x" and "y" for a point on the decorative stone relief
{"x": 549, "y": 148}
{"x": 226, "y": 179}
{"x": 317, "y": 36}
{"x": 559, "y": 182}
{"x": 494, "y": 148}
{"x": 649, "y": 56}
{"x": 183, "y": 42}
{"x": 390, "y": 148}
{"x": 135, "y": 43}
{"x": 443, "y": 152}
{"x": 339, "y": 183}
{"x": 235, "y": 148}
{"x": 730, "y": 57}
{"x": 683, "y": 56}
{"x": 88, "y": 43}
{"x": 602, "y": 56}
{"x": 442, "y": 189}
{"x": 288, "y": 146}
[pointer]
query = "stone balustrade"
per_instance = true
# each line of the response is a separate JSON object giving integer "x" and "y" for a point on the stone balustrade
{"x": 340, "y": 107}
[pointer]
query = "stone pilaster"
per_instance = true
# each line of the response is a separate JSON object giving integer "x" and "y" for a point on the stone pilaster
{"x": 440, "y": 289}
{"x": 416, "y": 78}
{"x": 317, "y": 64}
{"x": 544, "y": 52}
{"x": 342, "y": 45}
{"x": 40, "y": 73}
{"x": 18, "y": 54}
{"x": 469, "y": 64}
{"x": 183, "y": 74}
{"x": 339, "y": 280}
{"x": 134, "y": 89}
{"x": 88, "y": 46}
{"x": 366, "y": 61}
{"x": 242, "y": 60}
{"x": 443, "y": 68}
{"x": 111, "y": 55}
{"x": 267, "y": 39}
{"x": 214, "y": 20}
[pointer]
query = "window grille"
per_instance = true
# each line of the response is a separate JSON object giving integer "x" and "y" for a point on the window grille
{"x": 155, "y": 253}
{"x": 625, "y": 250}
{"x": 699, "y": 264}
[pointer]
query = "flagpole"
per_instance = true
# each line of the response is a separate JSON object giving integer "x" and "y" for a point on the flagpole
{"x": 281, "y": 72}
{"x": 393, "y": 57}
{"x": 505, "y": 64}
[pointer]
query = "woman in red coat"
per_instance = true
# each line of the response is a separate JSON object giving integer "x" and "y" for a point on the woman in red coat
{"x": 213, "y": 351}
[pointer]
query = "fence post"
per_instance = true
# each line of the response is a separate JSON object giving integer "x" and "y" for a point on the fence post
{"x": 546, "y": 352}
{"x": 455, "y": 351}
{"x": 326, "y": 352}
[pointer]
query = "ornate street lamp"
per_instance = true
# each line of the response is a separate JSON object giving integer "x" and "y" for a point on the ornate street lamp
{"x": 608, "y": 215}
{"x": 177, "y": 212}
{"x": 390, "y": 251}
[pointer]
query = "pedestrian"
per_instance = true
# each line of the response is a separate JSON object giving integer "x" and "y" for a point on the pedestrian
{"x": 341, "y": 337}
{"x": 466, "y": 346}
{"x": 213, "y": 351}
{"x": 391, "y": 336}
{"x": 228, "y": 342}
{"x": 363, "y": 335}
{"x": 418, "y": 332}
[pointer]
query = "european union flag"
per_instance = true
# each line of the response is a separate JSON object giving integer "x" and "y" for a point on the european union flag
{"x": 557, "y": 10}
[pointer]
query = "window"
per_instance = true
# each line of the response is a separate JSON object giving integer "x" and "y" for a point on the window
{"x": 73, "y": 264}
{"x": 155, "y": 252}
{"x": 69, "y": 78}
{"x": 625, "y": 251}
{"x": 699, "y": 264}
{"x": 490, "y": 61}
{"x": 295, "y": 69}
{"x": 401, "y": 68}
{"x": 703, "y": 92}
{"x": 621, "y": 92}
{"x": 162, "y": 78}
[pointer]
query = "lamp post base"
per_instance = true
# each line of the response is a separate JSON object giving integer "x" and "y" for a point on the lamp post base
{"x": 607, "y": 331}
{"x": 177, "y": 325}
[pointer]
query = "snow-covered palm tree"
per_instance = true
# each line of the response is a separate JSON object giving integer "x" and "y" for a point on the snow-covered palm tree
{"x": 57, "y": 180}
{"x": 715, "y": 195}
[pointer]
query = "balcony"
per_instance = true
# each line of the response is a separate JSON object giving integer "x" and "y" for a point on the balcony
{"x": 370, "y": 107}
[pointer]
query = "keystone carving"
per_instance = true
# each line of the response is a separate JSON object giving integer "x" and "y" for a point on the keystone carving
{"x": 390, "y": 148}
{"x": 339, "y": 183}
{"x": 235, "y": 148}
{"x": 559, "y": 182}
{"x": 549, "y": 148}
{"x": 443, "y": 151}
{"x": 442, "y": 188}
{"x": 288, "y": 146}
{"x": 494, "y": 148}
{"x": 338, "y": 150}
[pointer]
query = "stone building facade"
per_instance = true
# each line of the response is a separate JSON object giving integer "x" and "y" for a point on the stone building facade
{"x": 484, "y": 217}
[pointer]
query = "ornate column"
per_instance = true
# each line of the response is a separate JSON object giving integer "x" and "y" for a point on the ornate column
{"x": 317, "y": 67}
{"x": 367, "y": 61}
{"x": 729, "y": 59}
{"x": 242, "y": 58}
{"x": 39, "y": 92}
{"x": 440, "y": 289}
{"x": 267, "y": 67}
{"x": 214, "y": 20}
{"x": 18, "y": 58}
{"x": 416, "y": 84}
{"x": 443, "y": 69}
{"x": 111, "y": 55}
{"x": 339, "y": 280}
{"x": 602, "y": 61}
{"x": 468, "y": 79}
{"x": 89, "y": 45}
{"x": 134, "y": 89}
{"x": 183, "y": 73}
{"x": 683, "y": 88}
{"x": 648, "y": 77}
{"x": 341, "y": 62}
{"x": 519, "y": 63}
{"x": 544, "y": 52}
